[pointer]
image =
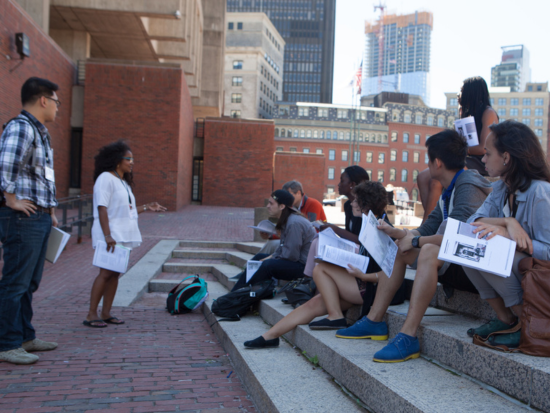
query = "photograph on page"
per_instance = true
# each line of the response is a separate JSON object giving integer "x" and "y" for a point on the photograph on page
{"x": 379, "y": 244}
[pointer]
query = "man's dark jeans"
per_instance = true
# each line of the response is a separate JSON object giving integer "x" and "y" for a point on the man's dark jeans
{"x": 25, "y": 240}
{"x": 272, "y": 268}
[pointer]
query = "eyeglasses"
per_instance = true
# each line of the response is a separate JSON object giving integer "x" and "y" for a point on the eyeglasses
{"x": 57, "y": 102}
{"x": 128, "y": 158}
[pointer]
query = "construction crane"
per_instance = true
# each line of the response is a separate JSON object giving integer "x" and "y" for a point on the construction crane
{"x": 380, "y": 35}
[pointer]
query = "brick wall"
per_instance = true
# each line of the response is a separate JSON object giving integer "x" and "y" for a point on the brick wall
{"x": 238, "y": 162}
{"x": 150, "y": 107}
{"x": 48, "y": 61}
{"x": 307, "y": 168}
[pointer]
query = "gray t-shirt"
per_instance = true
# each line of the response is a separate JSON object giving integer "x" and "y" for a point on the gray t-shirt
{"x": 296, "y": 239}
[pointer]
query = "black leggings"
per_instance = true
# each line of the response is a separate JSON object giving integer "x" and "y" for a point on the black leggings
{"x": 280, "y": 269}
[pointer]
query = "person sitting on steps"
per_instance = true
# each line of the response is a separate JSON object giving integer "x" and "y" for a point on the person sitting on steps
{"x": 339, "y": 288}
{"x": 465, "y": 192}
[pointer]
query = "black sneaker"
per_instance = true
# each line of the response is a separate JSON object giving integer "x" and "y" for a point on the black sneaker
{"x": 261, "y": 342}
{"x": 326, "y": 324}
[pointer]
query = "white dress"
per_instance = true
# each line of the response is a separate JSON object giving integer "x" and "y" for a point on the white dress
{"x": 113, "y": 193}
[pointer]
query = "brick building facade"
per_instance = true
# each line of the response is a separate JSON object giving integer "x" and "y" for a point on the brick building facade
{"x": 303, "y": 167}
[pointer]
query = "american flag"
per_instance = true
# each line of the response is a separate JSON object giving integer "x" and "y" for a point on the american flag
{"x": 358, "y": 77}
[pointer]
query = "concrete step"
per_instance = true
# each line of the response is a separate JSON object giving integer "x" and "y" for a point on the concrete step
{"x": 199, "y": 254}
{"x": 445, "y": 339}
{"x": 222, "y": 272}
{"x": 415, "y": 386}
{"x": 278, "y": 380}
{"x": 206, "y": 244}
{"x": 250, "y": 247}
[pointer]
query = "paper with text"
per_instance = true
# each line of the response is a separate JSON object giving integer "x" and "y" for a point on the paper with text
{"x": 342, "y": 258}
{"x": 116, "y": 261}
{"x": 251, "y": 268}
{"x": 467, "y": 128}
{"x": 329, "y": 238}
{"x": 379, "y": 245}
{"x": 461, "y": 246}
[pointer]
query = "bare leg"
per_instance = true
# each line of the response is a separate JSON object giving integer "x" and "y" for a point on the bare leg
{"x": 430, "y": 191}
{"x": 98, "y": 290}
{"x": 302, "y": 315}
{"x": 109, "y": 295}
{"x": 387, "y": 287}
{"x": 503, "y": 313}
{"x": 335, "y": 283}
{"x": 425, "y": 284}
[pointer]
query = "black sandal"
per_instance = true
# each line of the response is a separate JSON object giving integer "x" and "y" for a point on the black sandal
{"x": 91, "y": 323}
{"x": 111, "y": 320}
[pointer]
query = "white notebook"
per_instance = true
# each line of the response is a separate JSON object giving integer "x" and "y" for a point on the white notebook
{"x": 57, "y": 241}
{"x": 116, "y": 261}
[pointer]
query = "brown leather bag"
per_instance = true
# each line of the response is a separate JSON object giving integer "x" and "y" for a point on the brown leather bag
{"x": 535, "y": 318}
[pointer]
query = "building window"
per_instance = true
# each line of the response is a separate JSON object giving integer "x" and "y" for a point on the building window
{"x": 440, "y": 122}
{"x": 514, "y": 101}
{"x": 407, "y": 117}
{"x": 394, "y": 136}
{"x": 276, "y": 132}
{"x": 502, "y": 101}
{"x": 526, "y": 111}
{"x": 279, "y": 149}
{"x": 539, "y": 101}
{"x": 426, "y": 158}
{"x": 538, "y": 132}
{"x": 369, "y": 172}
{"x": 308, "y": 133}
{"x": 404, "y": 175}
{"x": 237, "y": 81}
{"x": 329, "y": 135}
{"x": 526, "y": 101}
{"x": 501, "y": 112}
{"x": 315, "y": 133}
{"x": 381, "y": 157}
{"x": 322, "y": 112}
{"x": 236, "y": 97}
{"x": 491, "y": 102}
{"x": 384, "y": 138}
{"x": 239, "y": 26}
{"x": 538, "y": 122}
{"x": 319, "y": 151}
{"x": 369, "y": 157}
{"x": 417, "y": 138}
{"x": 237, "y": 64}
{"x": 303, "y": 111}
{"x": 392, "y": 174}
{"x": 427, "y": 137}
{"x": 344, "y": 155}
{"x": 330, "y": 190}
{"x": 348, "y": 136}
{"x": 415, "y": 175}
{"x": 342, "y": 113}
{"x": 415, "y": 194}
{"x": 341, "y": 136}
{"x": 331, "y": 154}
{"x": 235, "y": 113}
{"x": 405, "y": 137}
{"x": 393, "y": 155}
{"x": 380, "y": 176}
{"x": 538, "y": 112}
{"x": 292, "y": 149}
{"x": 230, "y": 26}
{"x": 296, "y": 132}
{"x": 330, "y": 173}
{"x": 416, "y": 157}
{"x": 356, "y": 156}
{"x": 514, "y": 111}
{"x": 302, "y": 133}
{"x": 418, "y": 119}
{"x": 405, "y": 156}
{"x": 526, "y": 121}
{"x": 453, "y": 102}
{"x": 306, "y": 150}
{"x": 431, "y": 118}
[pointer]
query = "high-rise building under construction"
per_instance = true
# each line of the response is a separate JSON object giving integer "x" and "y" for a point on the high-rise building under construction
{"x": 397, "y": 55}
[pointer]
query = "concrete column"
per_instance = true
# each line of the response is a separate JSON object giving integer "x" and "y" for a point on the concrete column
{"x": 39, "y": 10}
{"x": 76, "y": 44}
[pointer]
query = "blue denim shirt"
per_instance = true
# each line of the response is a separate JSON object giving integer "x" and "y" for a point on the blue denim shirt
{"x": 532, "y": 213}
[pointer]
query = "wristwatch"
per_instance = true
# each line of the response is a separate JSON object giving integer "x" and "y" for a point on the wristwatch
{"x": 416, "y": 242}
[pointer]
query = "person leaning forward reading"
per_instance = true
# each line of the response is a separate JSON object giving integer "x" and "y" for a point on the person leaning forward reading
{"x": 465, "y": 191}
{"x": 288, "y": 260}
{"x": 27, "y": 213}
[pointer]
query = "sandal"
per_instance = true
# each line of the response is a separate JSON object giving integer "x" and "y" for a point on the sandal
{"x": 113, "y": 320}
{"x": 94, "y": 323}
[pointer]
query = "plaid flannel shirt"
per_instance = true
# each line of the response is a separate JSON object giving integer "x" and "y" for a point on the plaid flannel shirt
{"x": 26, "y": 181}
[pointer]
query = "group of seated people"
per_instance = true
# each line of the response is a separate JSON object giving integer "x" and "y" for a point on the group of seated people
{"x": 514, "y": 206}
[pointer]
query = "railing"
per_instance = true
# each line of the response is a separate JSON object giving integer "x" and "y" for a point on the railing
{"x": 76, "y": 211}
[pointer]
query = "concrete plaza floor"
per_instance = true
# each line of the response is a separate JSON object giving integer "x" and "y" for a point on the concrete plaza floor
{"x": 155, "y": 362}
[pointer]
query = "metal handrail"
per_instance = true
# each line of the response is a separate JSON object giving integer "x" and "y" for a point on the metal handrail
{"x": 83, "y": 205}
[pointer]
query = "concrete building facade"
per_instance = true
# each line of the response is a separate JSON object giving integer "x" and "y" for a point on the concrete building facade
{"x": 253, "y": 79}
{"x": 514, "y": 70}
{"x": 529, "y": 106}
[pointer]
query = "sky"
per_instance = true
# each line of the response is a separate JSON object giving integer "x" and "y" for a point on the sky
{"x": 467, "y": 37}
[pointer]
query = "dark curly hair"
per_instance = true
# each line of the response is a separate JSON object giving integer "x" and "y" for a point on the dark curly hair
{"x": 109, "y": 157}
{"x": 371, "y": 196}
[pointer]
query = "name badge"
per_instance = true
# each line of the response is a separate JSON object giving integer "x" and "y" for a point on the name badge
{"x": 49, "y": 174}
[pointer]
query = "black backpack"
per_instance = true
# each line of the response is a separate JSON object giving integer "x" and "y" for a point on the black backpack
{"x": 235, "y": 304}
{"x": 186, "y": 299}
{"x": 299, "y": 291}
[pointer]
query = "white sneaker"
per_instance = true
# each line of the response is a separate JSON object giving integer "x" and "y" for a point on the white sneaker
{"x": 18, "y": 356}
{"x": 38, "y": 345}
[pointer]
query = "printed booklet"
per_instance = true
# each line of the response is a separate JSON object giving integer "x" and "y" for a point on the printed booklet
{"x": 56, "y": 243}
{"x": 338, "y": 251}
{"x": 461, "y": 246}
{"x": 379, "y": 244}
{"x": 467, "y": 128}
{"x": 116, "y": 260}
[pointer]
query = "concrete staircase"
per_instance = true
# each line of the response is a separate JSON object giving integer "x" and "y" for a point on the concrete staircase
{"x": 313, "y": 371}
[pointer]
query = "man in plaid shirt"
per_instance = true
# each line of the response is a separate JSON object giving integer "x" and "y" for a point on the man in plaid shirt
{"x": 27, "y": 203}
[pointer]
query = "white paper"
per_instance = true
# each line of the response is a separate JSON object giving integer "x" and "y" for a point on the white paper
{"x": 379, "y": 244}
{"x": 116, "y": 261}
{"x": 461, "y": 246}
{"x": 329, "y": 238}
{"x": 251, "y": 268}
{"x": 56, "y": 243}
{"x": 467, "y": 128}
{"x": 342, "y": 258}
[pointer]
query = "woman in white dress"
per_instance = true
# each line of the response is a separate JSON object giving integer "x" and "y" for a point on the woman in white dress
{"x": 115, "y": 222}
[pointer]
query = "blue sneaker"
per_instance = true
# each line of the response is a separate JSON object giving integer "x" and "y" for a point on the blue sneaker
{"x": 365, "y": 328}
{"x": 400, "y": 348}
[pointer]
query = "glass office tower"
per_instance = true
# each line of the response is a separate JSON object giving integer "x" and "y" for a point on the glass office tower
{"x": 308, "y": 29}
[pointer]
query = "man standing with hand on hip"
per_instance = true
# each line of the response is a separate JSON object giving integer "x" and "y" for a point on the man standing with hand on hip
{"x": 27, "y": 206}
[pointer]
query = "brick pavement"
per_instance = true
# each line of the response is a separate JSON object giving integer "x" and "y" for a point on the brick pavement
{"x": 155, "y": 362}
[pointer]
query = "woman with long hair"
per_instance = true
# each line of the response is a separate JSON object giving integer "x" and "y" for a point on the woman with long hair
{"x": 517, "y": 209}
{"x": 339, "y": 288}
{"x": 115, "y": 222}
{"x": 473, "y": 100}
{"x": 297, "y": 233}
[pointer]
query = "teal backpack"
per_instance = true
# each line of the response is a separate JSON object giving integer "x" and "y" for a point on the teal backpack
{"x": 186, "y": 299}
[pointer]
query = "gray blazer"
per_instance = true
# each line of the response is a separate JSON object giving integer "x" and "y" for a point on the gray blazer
{"x": 532, "y": 213}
